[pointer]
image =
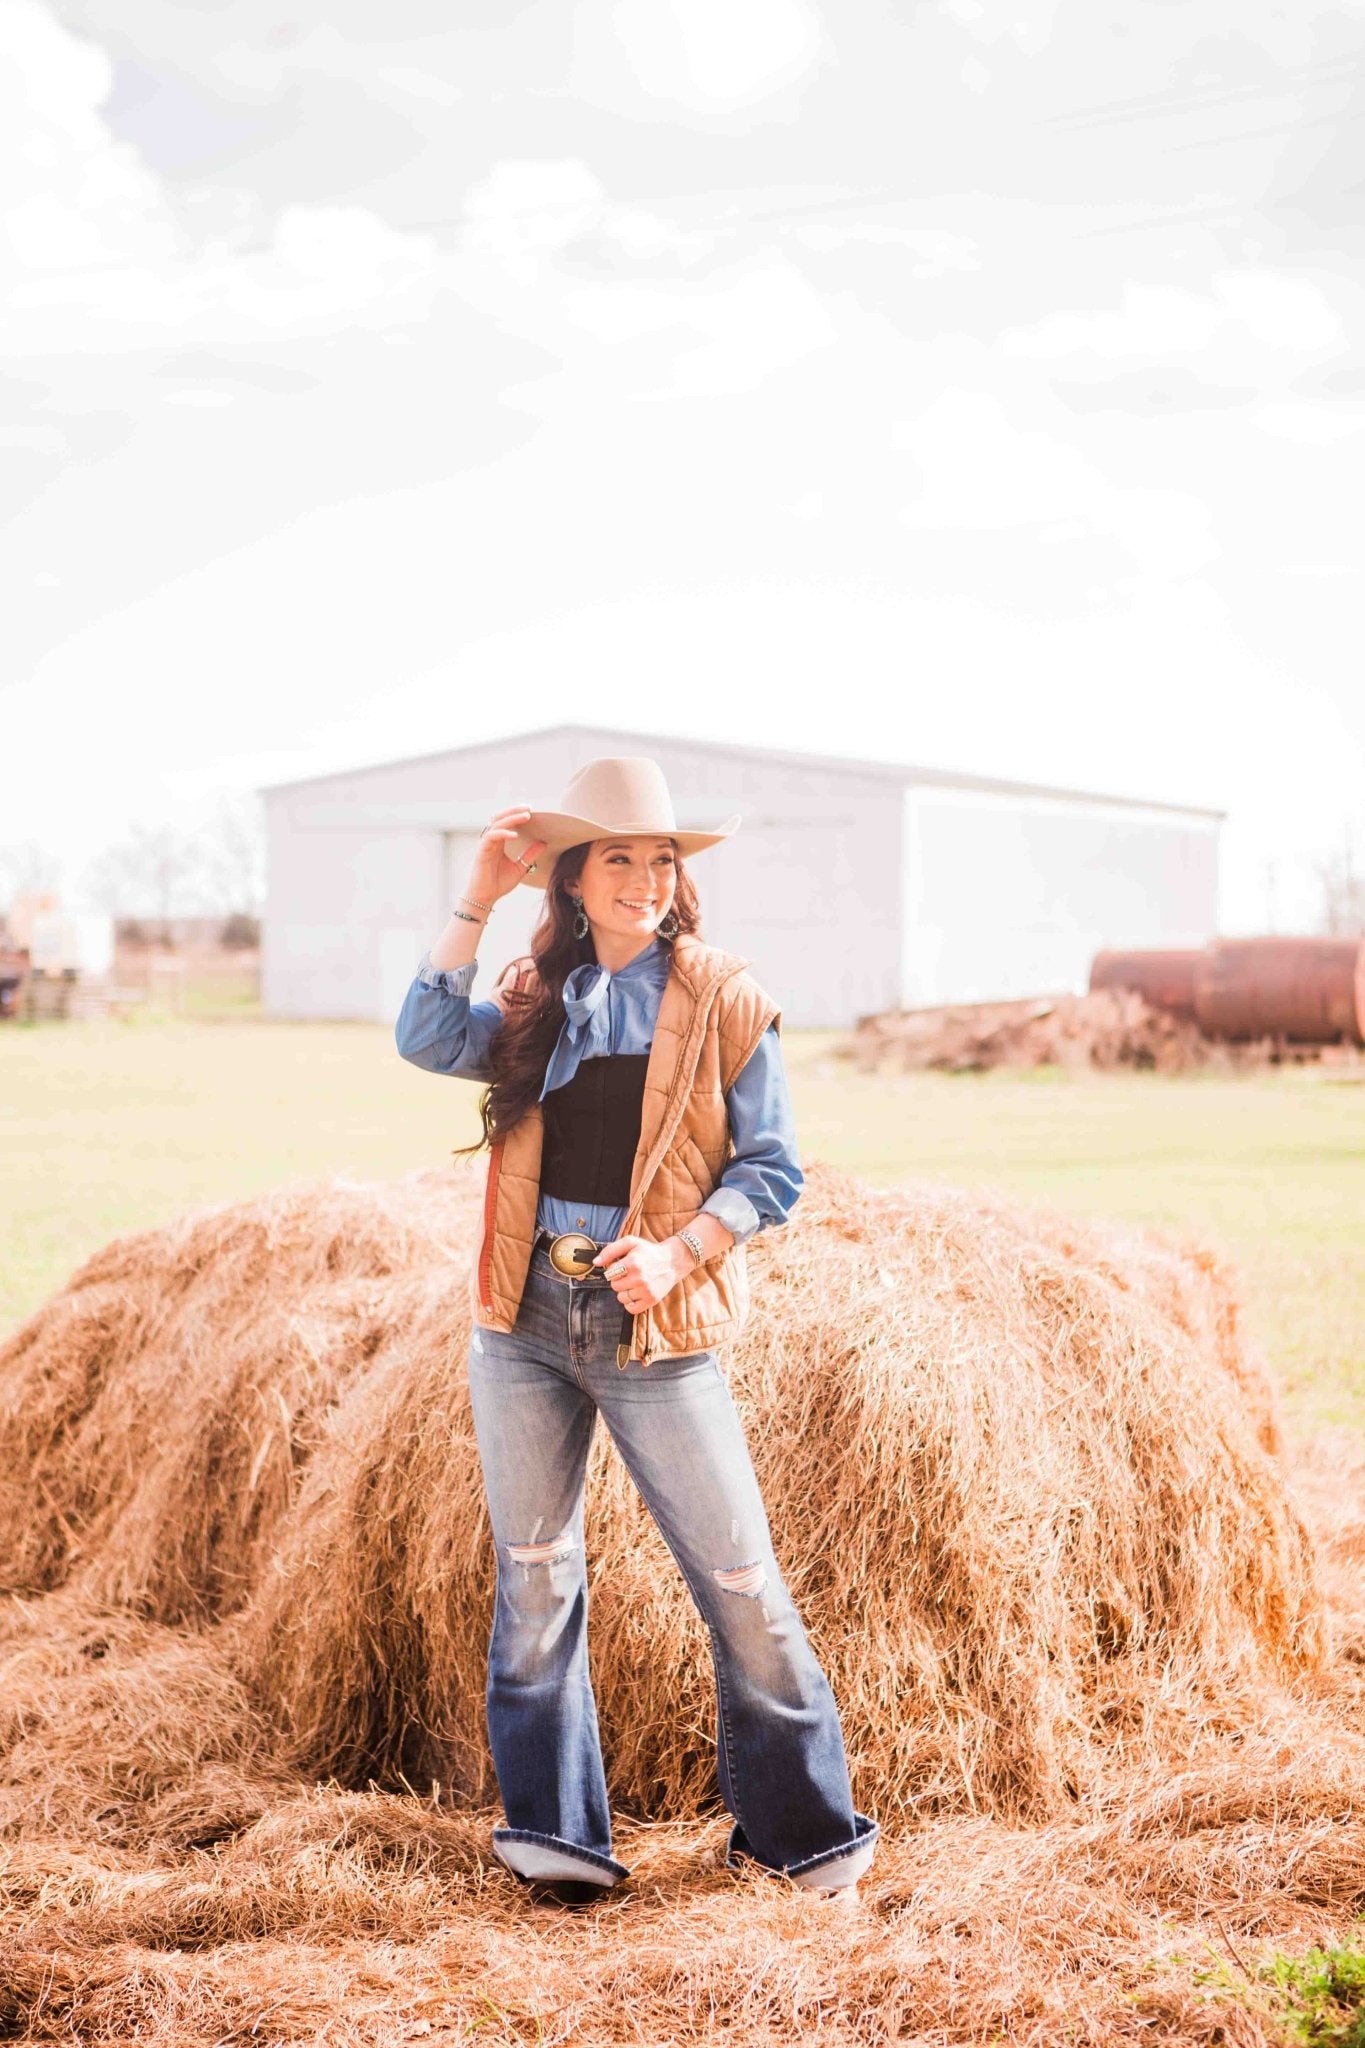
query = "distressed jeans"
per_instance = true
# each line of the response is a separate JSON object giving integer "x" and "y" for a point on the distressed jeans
{"x": 536, "y": 1393}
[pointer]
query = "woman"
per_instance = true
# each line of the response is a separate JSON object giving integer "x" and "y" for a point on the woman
{"x": 640, "y": 1131}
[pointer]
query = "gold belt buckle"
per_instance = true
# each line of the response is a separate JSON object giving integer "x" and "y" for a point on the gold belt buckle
{"x": 572, "y": 1253}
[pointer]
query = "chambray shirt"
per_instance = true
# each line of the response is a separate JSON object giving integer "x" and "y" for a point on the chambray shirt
{"x": 440, "y": 1029}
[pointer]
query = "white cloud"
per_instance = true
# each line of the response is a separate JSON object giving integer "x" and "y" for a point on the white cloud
{"x": 1310, "y": 425}
{"x": 73, "y": 197}
{"x": 97, "y": 260}
{"x": 526, "y": 210}
{"x": 938, "y": 250}
{"x": 1027, "y": 23}
{"x": 981, "y": 473}
{"x": 525, "y": 206}
{"x": 420, "y": 85}
{"x": 711, "y": 54}
{"x": 1248, "y": 317}
{"x": 755, "y": 324}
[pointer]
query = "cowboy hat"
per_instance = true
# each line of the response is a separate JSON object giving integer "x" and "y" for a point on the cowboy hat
{"x": 607, "y": 799}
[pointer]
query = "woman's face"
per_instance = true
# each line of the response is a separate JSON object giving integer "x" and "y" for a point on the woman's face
{"x": 627, "y": 884}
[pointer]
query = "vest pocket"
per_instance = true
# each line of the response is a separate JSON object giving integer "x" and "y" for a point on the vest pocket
{"x": 730, "y": 1280}
{"x": 739, "y": 1259}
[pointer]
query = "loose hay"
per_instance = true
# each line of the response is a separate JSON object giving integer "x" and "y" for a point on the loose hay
{"x": 1107, "y": 1029}
{"x": 1027, "y": 1485}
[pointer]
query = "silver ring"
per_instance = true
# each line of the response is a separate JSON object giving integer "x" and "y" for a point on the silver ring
{"x": 615, "y": 1272}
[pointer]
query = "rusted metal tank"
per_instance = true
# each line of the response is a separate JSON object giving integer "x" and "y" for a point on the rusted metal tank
{"x": 1309, "y": 991}
{"x": 1166, "y": 979}
{"x": 1304, "y": 991}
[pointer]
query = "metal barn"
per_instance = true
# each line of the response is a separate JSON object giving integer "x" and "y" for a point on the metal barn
{"x": 851, "y": 886}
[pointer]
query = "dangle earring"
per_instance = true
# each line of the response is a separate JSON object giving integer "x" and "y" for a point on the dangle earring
{"x": 668, "y": 926}
{"x": 580, "y": 923}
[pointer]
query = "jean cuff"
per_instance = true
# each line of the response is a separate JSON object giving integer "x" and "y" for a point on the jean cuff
{"x": 831, "y": 1869}
{"x": 547, "y": 1858}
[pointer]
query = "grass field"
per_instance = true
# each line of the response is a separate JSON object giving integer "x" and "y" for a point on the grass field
{"x": 116, "y": 1126}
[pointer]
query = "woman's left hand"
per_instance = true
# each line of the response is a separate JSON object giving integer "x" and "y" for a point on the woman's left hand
{"x": 642, "y": 1272}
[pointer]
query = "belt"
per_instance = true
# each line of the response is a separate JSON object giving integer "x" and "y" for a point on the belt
{"x": 576, "y": 1250}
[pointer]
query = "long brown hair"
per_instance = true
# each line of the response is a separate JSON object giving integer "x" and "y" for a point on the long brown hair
{"x": 523, "y": 1042}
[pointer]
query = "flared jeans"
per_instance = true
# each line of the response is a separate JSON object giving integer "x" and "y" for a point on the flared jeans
{"x": 536, "y": 1393}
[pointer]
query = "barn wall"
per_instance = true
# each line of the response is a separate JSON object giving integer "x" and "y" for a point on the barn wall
{"x": 363, "y": 867}
{"x": 345, "y": 909}
{"x": 1009, "y": 896}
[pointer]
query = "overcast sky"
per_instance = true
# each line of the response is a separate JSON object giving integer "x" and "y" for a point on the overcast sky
{"x": 972, "y": 384}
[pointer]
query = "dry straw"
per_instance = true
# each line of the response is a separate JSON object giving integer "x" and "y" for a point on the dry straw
{"x": 1028, "y": 1489}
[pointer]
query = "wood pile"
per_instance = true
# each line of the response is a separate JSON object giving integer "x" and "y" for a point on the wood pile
{"x": 1109, "y": 1028}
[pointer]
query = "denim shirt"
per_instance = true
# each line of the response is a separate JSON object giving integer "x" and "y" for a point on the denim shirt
{"x": 441, "y": 1030}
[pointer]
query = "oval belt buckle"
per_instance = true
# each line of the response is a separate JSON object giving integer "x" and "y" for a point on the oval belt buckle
{"x": 572, "y": 1253}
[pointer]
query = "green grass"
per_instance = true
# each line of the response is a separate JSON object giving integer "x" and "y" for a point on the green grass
{"x": 1324, "y": 1994}
{"x": 1316, "y": 2000}
{"x": 117, "y": 1126}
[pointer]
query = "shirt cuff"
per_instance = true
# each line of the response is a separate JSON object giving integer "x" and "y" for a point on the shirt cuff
{"x": 456, "y": 981}
{"x": 735, "y": 1211}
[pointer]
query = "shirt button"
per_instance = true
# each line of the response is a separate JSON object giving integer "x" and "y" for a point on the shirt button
{"x": 582, "y": 1219}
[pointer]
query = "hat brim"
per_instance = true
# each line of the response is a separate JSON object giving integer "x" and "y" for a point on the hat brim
{"x": 559, "y": 830}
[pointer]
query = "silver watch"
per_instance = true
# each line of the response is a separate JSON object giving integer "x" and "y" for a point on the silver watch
{"x": 694, "y": 1245}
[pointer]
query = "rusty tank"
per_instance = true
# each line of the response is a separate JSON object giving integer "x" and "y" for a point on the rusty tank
{"x": 1165, "y": 979}
{"x": 1308, "y": 991}
{"x": 1304, "y": 991}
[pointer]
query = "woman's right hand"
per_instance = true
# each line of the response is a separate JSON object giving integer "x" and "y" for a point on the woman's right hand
{"x": 493, "y": 873}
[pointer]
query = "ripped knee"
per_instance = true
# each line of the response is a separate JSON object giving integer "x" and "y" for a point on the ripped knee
{"x": 550, "y": 1550}
{"x": 749, "y": 1580}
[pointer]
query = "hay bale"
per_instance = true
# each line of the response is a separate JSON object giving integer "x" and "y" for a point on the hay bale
{"x": 156, "y": 1415}
{"x": 1023, "y": 1476}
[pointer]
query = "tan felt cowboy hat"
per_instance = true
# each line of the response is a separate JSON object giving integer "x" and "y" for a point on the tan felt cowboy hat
{"x": 605, "y": 800}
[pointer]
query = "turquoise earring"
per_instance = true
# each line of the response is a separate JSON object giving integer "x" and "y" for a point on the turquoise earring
{"x": 580, "y": 923}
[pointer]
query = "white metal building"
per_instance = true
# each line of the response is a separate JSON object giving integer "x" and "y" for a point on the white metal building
{"x": 851, "y": 886}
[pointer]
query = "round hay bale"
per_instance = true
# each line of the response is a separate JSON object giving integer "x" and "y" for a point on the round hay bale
{"x": 155, "y": 1415}
{"x": 1023, "y": 1476}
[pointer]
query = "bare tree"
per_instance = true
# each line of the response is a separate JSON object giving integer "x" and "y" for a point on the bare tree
{"x": 159, "y": 873}
{"x": 1341, "y": 879}
{"x": 27, "y": 868}
{"x": 154, "y": 873}
{"x": 233, "y": 850}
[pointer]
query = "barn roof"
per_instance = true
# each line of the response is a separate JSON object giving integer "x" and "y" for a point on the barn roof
{"x": 903, "y": 772}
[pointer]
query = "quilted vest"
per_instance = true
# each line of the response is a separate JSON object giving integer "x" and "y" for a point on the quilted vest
{"x": 711, "y": 1017}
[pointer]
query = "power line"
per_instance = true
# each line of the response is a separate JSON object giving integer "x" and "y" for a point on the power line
{"x": 1163, "y": 105}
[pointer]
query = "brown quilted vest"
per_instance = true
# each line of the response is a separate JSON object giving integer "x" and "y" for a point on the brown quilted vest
{"x": 711, "y": 1017}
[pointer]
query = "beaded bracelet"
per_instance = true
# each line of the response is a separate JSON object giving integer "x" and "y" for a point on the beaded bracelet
{"x": 477, "y": 902}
